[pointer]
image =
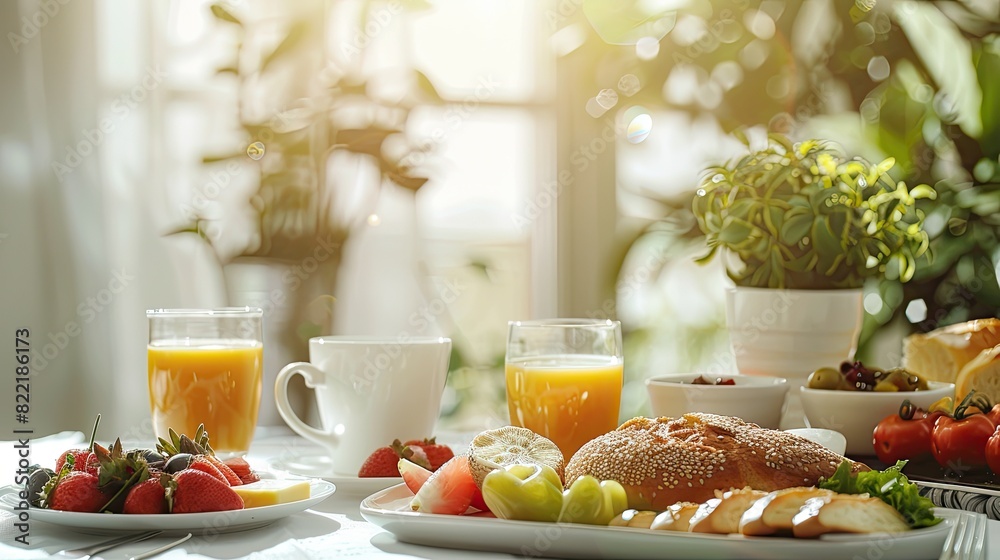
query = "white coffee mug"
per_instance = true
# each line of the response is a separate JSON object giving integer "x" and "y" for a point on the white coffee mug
{"x": 370, "y": 391}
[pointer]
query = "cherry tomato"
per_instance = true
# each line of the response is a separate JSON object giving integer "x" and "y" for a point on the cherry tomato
{"x": 959, "y": 442}
{"x": 993, "y": 450}
{"x": 905, "y": 435}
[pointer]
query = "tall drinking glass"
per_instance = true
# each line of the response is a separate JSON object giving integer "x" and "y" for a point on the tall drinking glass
{"x": 564, "y": 378}
{"x": 206, "y": 367}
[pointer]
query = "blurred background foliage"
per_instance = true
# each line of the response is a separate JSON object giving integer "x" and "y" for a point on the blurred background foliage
{"x": 916, "y": 81}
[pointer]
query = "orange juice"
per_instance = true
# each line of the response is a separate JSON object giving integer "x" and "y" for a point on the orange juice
{"x": 568, "y": 399}
{"x": 218, "y": 384}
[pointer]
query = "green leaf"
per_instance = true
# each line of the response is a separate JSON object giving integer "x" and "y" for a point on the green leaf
{"x": 735, "y": 231}
{"x": 296, "y": 33}
{"x": 988, "y": 71}
{"x": 223, "y": 14}
{"x": 823, "y": 238}
{"x": 923, "y": 191}
{"x": 796, "y": 228}
{"x": 947, "y": 55}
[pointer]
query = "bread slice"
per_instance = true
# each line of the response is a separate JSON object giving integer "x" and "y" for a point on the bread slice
{"x": 634, "y": 518}
{"x": 723, "y": 515}
{"x": 676, "y": 518}
{"x": 773, "y": 513}
{"x": 981, "y": 374}
{"x": 844, "y": 513}
{"x": 942, "y": 353}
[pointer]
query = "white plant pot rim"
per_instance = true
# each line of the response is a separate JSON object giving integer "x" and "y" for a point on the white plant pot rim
{"x": 829, "y": 292}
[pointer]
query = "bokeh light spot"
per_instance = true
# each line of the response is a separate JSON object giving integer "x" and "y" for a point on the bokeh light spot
{"x": 873, "y": 304}
{"x": 878, "y": 68}
{"x": 607, "y": 98}
{"x": 916, "y": 311}
{"x": 374, "y": 220}
{"x": 639, "y": 128}
{"x": 647, "y": 48}
{"x": 629, "y": 85}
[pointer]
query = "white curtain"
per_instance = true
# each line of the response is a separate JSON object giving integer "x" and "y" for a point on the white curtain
{"x": 80, "y": 258}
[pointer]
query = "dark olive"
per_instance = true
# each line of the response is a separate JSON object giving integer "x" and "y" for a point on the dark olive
{"x": 178, "y": 463}
{"x": 37, "y": 480}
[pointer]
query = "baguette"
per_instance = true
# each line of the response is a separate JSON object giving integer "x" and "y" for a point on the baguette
{"x": 843, "y": 513}
{"x": 663, "y": 461}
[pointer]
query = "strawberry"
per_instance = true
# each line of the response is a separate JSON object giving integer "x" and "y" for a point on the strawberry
{"x": 147, "y": 497}
{"x": 242, "y": 469}
{"x": 200, "y": 463}
{"x": 384, "y": 462}
{"x": 193, "y": 491}
{"x": 80, "y": 456}
{"x": 119, "y": 472}
{"x": 437, "y": 453}
{"x": 74, "y": 491}
{"x": 231, "y": 477}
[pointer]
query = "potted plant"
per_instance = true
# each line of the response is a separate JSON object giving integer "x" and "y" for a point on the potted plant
{"x": 315, "y": 134}
{"x": 802, "y": 226}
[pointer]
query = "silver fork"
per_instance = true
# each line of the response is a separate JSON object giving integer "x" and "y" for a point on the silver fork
{"x": 966, "y": 540}
{"x": 88, "y": 551}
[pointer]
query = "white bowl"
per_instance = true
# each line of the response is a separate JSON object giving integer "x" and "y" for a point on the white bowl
{"x": 834, "y": 441}
{"x": 856, "y": 413}
{"x": 754, "y": 399}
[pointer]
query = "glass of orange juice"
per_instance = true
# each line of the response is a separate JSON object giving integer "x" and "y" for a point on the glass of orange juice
{"x": 564, "y": 378}
{"x": 206, "y": 367}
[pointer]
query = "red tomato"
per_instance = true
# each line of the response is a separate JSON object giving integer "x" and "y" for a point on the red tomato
{"x": 896, "y": 437}
{"x": 994, "y": 414}
{"x": 993, "y": 450}
{"x": 960, "y": 443}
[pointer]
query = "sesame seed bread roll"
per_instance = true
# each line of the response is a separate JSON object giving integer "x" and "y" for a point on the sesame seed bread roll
{"x": 941, "y": 354}
{"x": 663, "y": 461}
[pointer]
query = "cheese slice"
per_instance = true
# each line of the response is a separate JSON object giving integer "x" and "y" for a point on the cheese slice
{"x": 271, "y": 492}
{"x": 941, "y": 354}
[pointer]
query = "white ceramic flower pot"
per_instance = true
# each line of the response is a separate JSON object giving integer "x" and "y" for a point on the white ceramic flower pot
{"x": 790, "y": 333}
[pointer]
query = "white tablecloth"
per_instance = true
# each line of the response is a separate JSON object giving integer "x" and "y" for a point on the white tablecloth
{"x": 333, "y": 529}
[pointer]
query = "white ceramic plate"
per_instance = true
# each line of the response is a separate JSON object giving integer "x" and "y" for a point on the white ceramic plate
{"x": 198, "y": 523}
{"x": 318, "y": 465}
{"x": 390, "y": 509}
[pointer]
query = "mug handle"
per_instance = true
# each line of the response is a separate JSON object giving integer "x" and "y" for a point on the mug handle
{"x": 313, "y": 376}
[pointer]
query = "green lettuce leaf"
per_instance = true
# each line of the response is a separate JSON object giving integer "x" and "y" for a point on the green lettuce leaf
{"x": 891, "y": 486}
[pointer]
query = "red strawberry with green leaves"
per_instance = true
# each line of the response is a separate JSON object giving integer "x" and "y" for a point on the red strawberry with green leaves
{"x": 80, "y": 456}
{"x": 119, "y": 472}
{"x": 384, "y": 462}
{"x": 193, "y": 491}
{"x": 242, "y": 469}
{"x": 73, "y": 490}
{"x": 437, "y": 453}
{"x": 147, "y": 497}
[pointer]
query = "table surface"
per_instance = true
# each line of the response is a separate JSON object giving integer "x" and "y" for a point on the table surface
{"x": 332, "y": 529}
